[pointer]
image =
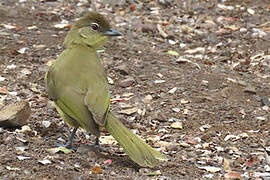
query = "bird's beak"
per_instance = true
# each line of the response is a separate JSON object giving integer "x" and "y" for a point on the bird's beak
{"x": 112, "y": 32}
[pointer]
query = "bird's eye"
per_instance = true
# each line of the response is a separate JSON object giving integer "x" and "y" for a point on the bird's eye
{"x": 94, "y": 26}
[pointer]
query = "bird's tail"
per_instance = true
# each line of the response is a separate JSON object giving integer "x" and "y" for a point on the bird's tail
{"x": 134, "y": 146}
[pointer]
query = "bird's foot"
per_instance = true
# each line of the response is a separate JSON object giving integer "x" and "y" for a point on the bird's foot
{"x": 67, "y": 145}
{"x": 95, "y": 145}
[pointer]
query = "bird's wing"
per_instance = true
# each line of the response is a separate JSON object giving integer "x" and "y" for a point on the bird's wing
{"x": 97, "y": 100}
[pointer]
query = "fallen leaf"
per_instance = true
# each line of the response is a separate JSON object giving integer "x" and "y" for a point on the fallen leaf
{"x": 46, "y": 124}
{"x": 110, "y": 80}
{"x": 12, "y": 168}
{"x": 59, "y": 149}
{"x": 128, "y": 94}
{"x": 132, "y": 7}
{"x": 233, "y": 175}
{"x": 154, "y": 173}
{"x": 198, "y": 50}
{"x": 224, "y": 7}
{"x": 177, "y": 125}
{"x": 22, "y": 158}
{"x": 11, "y": 27}
{"x": 107, "y": 140}
{"x": 210, "y": 168}
{"x": 253, "y": 160}
{"x": 3, "y": 90}
{"x": 119, "y": 99}
{"x": 226, "y": 165}
{"x": 147, "y": 99}
{"x": 108, "y": 161}
{"x": 172, "y": 91}
{"x": 185, "y": 111}
{"x": 21, "y": 148}
{"x": 177, "y": 110}
{"x": 50, "y": 62}
{"x": 164, "y": 144}
{"x": 22, "y": 50}
{"x": 22, "y": 139}
{"x": 174, "y": 53}
{"x": 230, "y": 136}
{"x": 2, "y": 78}
{"x": 12, "y": 66}
{"x": 26, "y": 71}
{"x": 208, "y": 176}
{"x": 24, "y": 128}
{"x": 96, "y": 170}
{"x": 183, "y": 101}
{"x": 261, "y": 175}
{"x": 250, "y": 11}
{"x": 129, "y": 111}
{"x": 45, "y": 161}
{"x": 159, "y": 81}
{"x": 153, "y": 138}
{"x": 62, "y": 25}
{"x": 161, "y": 32}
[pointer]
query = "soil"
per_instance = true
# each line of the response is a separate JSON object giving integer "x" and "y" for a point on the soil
{"x": 204, "y": 64}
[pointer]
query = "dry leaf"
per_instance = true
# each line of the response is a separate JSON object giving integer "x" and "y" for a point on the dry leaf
{"x": 232, "y": 175}
{"x": 96, "y": 170}
{"x": 12, "y": 168}
{"x": 50, "y": 62}
{"x": 107, "y": 140}
{"x": 3, "y": 90}
{"x": 174, "y": 53}
{"x": 154, "y": 173}
{"x": 22, "y": 158}
{"x": 226, "y": 165}
{"x": 45, "y": 161}
{"x": 108, "y": 161}
{"x": 172, "y": 91}
{"x": 177, "y": 125}
{"x": 211, "y": 169}
{"x": 59, "y": 149}
{"x": 147, "y": 99}
{"x": 129, "y": 111}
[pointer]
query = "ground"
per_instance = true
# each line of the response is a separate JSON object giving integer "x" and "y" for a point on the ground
{"x": 190, "y": 77}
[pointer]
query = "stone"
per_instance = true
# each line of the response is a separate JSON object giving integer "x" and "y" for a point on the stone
{"x": 127, "y": 82}
{"x": 250, "y": 89}
{"x": 14, "y": 115}
{"x": 123, "y": 69}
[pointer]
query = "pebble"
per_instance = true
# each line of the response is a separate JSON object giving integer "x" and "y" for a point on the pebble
{"x": 127, "y": 82}
{"x": 15, "y": 114}
{"x": 123, "y": 69}
{"x": 250, "y": 89}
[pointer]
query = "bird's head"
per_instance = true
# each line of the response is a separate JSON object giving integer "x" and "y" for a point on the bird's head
{"x": 91, "y": 30}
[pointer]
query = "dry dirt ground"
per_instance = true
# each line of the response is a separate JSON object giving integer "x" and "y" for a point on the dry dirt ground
{"x": 190, "y": 77}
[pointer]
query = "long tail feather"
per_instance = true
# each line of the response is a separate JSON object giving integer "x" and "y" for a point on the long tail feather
{"x": 134, "y": 146}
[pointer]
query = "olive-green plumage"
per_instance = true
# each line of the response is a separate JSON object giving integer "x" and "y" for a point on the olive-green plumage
{"x": 78, "y": 85}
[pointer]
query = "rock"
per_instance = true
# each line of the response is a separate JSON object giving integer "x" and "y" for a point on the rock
{"x": 123, "y": 69}
{"x": 147, "y": 28}
{"x": 147, "y": 99}
{"x": 14, "y": 115}
{"x": 250, "y": 89}
{"x": 265, "y": 101}
{"x": 127, "y": 82}
{"x": 85, "y": 149}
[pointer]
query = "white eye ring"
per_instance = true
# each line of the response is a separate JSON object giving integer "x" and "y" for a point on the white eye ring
{"x": 95, "y": 26}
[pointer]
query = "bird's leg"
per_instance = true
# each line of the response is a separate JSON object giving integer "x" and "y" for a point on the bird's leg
{"x": 70, "y": 140}
{"x": 97, "y": 142}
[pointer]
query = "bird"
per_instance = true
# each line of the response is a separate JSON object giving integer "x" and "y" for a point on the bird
{"x": 78, "y": 85}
